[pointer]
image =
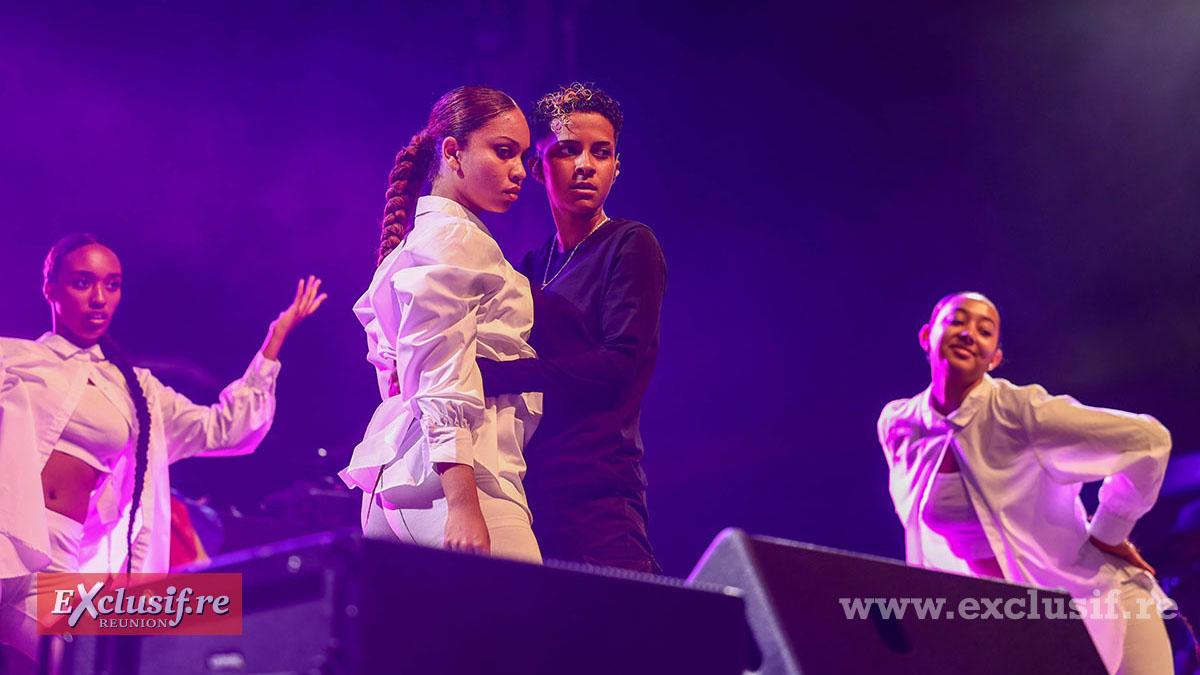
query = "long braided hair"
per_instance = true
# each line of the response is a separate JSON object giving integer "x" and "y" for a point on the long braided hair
{"x": 457, "y": 114}
{"x": 118, "y": 358}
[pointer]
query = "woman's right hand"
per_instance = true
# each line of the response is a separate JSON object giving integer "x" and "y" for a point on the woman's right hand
{"x": 1125, "y": 551}
{"x": 466, "y": 531}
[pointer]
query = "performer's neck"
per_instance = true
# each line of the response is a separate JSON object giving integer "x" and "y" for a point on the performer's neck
{"x": 77, "y": 340}
{"x": 575, "y": 227}
{"x": 948, "y": 392}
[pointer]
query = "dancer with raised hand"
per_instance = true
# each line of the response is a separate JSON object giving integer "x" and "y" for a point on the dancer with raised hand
{"x": 985, "y": 476}
{"x": 441, "y": 464}
{"x": 91, "y": 494}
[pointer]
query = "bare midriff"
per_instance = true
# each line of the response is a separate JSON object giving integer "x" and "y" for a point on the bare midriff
{"x": 67, "y": 484}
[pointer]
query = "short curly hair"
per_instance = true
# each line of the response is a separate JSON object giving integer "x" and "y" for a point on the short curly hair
{"x": 573, "y": 98}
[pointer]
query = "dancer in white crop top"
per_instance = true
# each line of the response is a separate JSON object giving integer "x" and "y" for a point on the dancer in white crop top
{"x": 1017, "y": 457}
{"x": 86, "y": 438}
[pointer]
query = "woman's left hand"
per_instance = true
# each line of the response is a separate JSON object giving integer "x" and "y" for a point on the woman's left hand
{"x": 1125, "y": 551}
{"x": 303, "y": 305}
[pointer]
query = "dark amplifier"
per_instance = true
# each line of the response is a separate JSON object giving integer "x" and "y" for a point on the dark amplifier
{"x": 339, "y": 603}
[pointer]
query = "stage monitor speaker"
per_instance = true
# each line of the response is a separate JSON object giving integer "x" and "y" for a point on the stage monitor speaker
{"x": 333, "y": 603}
{"x": 807, "y": 607}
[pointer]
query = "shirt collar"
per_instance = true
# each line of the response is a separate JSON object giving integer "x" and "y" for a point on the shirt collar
{"x": 928, "y": 416}
{"x": 966, "y": 410}
{"x": 431, "y": 204}
{"x": 69, "y": 350}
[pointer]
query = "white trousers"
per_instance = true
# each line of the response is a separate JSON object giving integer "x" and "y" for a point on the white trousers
{"x": 1147, "y": 649}
{"x": 18, "y": 595}
{"x": 418, "y": 516}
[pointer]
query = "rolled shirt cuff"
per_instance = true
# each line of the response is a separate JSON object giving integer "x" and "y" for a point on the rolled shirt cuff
{"x": 262, "y": 372}
{"x": 450, "y": 445}
{"x": 1109, "y": 527}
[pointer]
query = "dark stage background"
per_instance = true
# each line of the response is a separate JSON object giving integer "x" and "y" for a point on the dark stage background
{"x": 817, "y": 175}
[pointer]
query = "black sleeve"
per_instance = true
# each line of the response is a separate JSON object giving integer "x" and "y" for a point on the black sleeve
{"x": 633, "y": 291}
{"x": 527, "y": 264}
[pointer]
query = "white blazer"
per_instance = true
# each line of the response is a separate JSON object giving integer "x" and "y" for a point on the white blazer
{"x": 1024, "y": 455}
{"x": 42, "y": 382}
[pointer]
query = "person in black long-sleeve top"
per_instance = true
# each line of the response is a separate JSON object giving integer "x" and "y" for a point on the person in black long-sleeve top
{"x": 598, "y": 288}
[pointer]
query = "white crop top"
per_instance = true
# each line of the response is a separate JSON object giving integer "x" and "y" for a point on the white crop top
{"x": 948, "y": 512}
{"x": 97, "y": 433}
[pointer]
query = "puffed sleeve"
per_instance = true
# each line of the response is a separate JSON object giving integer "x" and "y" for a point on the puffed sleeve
{"x": 1077, "y": 443}
{"x": 24, "y": 542}
{"x": 234, "y": 425}
{"x": 439, "y": 295}
{"x": 893, "y": 430}
{"x": 885, "y": 430}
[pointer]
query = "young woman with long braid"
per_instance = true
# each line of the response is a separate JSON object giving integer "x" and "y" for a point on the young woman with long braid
{"x": 86, "y": 438}
{"x": 441, "y": 464}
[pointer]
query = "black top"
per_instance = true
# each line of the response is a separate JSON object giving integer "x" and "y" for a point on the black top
{"x": 596, "y": 333}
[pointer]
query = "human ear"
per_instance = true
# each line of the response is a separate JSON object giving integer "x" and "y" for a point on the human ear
{"x": 617, "y": 171}
{"x": 996, "y": 358}
{"x": 535, "y": 168}
{"x": 923, "y": 338}
{"x": 450, "y": 153}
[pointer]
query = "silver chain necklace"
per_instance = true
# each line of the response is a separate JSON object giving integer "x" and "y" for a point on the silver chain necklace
{"x": 546, "y": 281}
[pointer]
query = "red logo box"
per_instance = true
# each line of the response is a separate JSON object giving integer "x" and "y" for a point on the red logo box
{"x": 139, "y": 604}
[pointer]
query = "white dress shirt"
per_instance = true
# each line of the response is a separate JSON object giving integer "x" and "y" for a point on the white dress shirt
{"x": 1023, "y": 455}
{"x": 47, "y": 378}
{"x": 443, "y": 298}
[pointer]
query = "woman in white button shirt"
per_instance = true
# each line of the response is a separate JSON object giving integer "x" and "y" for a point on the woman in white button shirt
{"x": 441, "y": 465}
{"x": 86, "y": 438}
{"x": 985, "y": 477}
